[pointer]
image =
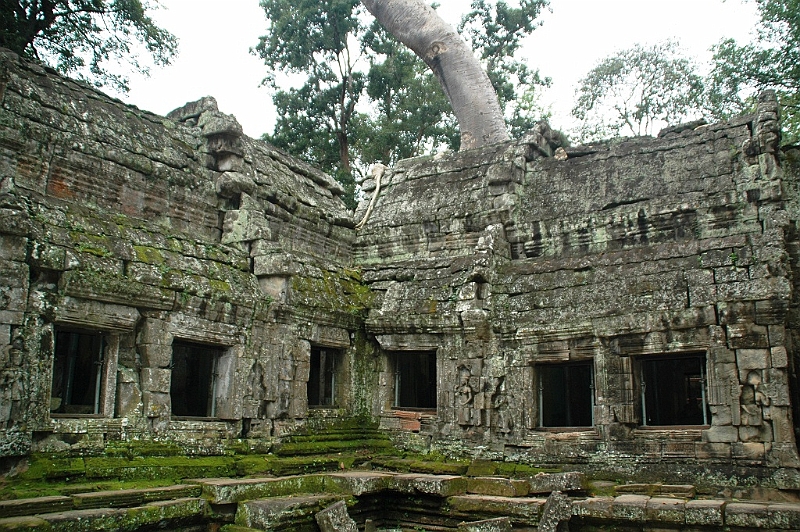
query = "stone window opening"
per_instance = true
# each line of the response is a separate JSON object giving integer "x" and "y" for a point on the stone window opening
{"x": 195, "y": 379}
{"x": 566, "y": 394}
{"x": 414, "y": 380}
{"x": 78, "y": 384}
{"x": 324, "y": 377}
{"x": 673, "y": 390}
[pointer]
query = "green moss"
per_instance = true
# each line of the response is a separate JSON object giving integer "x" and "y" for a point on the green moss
{"x": 149, "y": 255}
{"x": 336, "y": 291}
{"x": 219, "y": 286}
{"x": 252, "y": 465}
{"x": 49, "y": 467}
{"x": 135, "y": 449}
{"x": 175, "y": 467}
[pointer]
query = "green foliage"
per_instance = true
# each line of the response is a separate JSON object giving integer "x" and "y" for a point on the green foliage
{"x": 312, "y": 38}
{"x": 86, "y": 38}
{"x": 411, "y": 114}
{"x": 378, "y": 102}
{"x": 634, "y": 90}
{"x": 771, "y": 61}
{"x": 496, "y": 32}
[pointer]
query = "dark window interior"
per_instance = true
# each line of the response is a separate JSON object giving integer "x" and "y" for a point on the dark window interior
{"x": 193, "y": 379}
{"x": 322, "y": 377}
{"x": 415, "y": 380}
{"x": 77, "y": 373}
{"x": 566, "y": 392}
{"x": 674, "y": 390}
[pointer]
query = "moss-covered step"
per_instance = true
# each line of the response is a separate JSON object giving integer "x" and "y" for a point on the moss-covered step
{"x": 35, "y": 505}
{"x": 134, "y": 497}
{"x": 164, "y": 514}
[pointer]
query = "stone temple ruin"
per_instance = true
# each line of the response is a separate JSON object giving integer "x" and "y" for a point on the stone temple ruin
{"x": 631, "y": 309}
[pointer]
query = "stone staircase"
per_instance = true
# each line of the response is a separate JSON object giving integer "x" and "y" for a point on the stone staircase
{"x": 419, "y": 501}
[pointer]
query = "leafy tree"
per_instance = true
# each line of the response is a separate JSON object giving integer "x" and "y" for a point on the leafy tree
{"x": 410, "y": 113}
{"x": 85, "y": 38}
{"x": 315, "y": 38}
{"x": 636, "y": 90}
{"x": 364, "y": 97}
{"x": 496, "y": 32}
{"x": 771, "y": 61}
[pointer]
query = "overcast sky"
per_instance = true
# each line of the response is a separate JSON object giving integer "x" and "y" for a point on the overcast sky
{"x": 215, "y": 38}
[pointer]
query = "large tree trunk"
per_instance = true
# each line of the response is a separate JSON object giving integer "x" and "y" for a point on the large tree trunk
{"x": 464, "y": 81}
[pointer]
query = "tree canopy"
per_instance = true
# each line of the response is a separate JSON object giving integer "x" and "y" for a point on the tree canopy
{"x": 86, "y": 38}
{"x": 772, "y": 60}
{"x": 357, "y": 96}
{"x": 636, "y": 90}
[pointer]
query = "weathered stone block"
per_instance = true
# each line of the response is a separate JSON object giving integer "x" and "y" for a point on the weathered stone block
{"x": 281, "y": 512}
{"x": 359, "y": 483}
{"x": 749, "y": 451}
{"x": 704, "y": 512}
{"x": 747, "y": 336}
{"x": 594, "y": 507}
{"x": 156, "y": 355}
{"x": 630, "y": 507}
{"x": 549, "y": 482}
{"x": 721, "y": 434}
{"x": 780, "y": 358}
{"x": 665, "y": 510}
{"x": 156, "y": 404}
{"x": 518, "y": 508}
{"x": 751, "y": 359}
{"x": 556, "y": 511}
{"x": 497, "y": 486}
{"x": 747, "y": 515}
{"x": 335, "y": 518}
{"x": 155, "y": 379}
{"x": 439, "y": 485}
{"x": 705, "y": 451}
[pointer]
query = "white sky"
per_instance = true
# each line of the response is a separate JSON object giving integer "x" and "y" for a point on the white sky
{"x": 215, "y": 38}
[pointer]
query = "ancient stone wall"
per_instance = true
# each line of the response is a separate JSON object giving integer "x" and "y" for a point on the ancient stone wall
{"x": 621, "y": 303}
{"x": 162, "y": 277}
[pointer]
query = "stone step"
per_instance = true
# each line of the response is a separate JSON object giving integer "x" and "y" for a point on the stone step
{"x": 34, "y": 505}
{"x": 164, "y": 514}
{"x": 96, "y": 499}
{"x": 134, "y": 497}
{"x": 309, "y": 447}
{"x": 639, "y": 509}
{"x": 339, "y": 435}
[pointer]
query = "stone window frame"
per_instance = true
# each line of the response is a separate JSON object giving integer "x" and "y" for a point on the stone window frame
{"x": 112, "y": 321}
{"x": 338, "y": 376}
{"x": 108, "y": 370}
{"x": 225, "y": 366}
{"x": 639, "y": 386}
{"x": 539, "y": 399}
{"x": 392, "y": 359}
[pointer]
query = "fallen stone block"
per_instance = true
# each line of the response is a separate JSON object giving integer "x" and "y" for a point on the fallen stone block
{"x": 281, "y": 512}
{"x": 335, "y": 518}
{"x": 557, "y": 510}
